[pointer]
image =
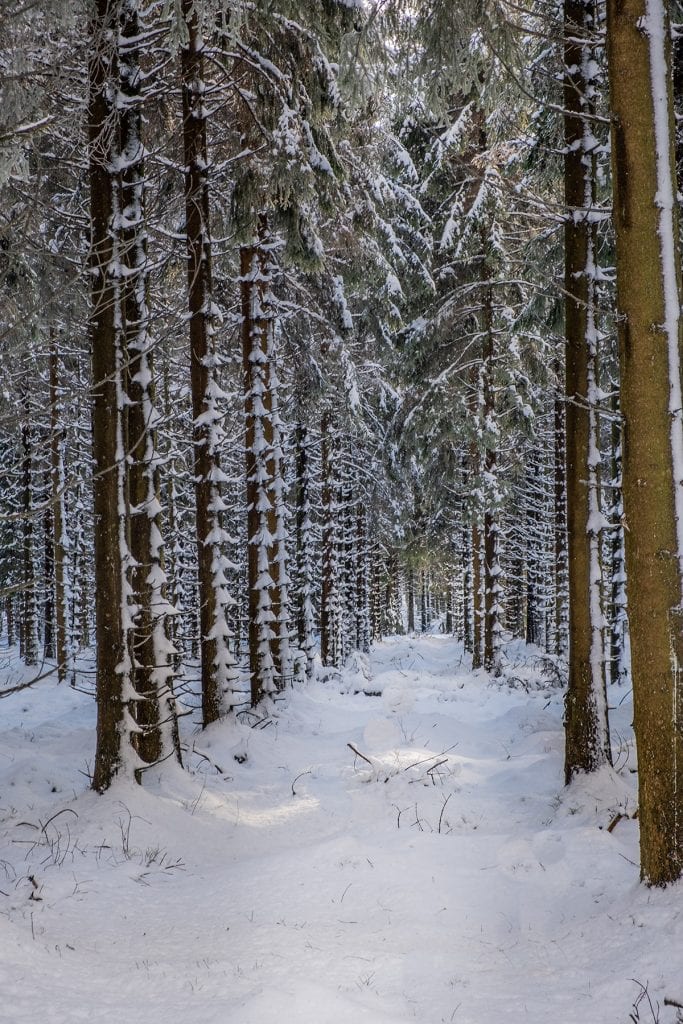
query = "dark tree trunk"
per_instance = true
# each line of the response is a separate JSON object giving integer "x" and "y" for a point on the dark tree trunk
{"x": 586, "y": 725}
{"x": 216, "y": 660}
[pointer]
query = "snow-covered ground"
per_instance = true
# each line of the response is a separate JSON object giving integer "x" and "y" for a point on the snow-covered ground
{"x": 452, "y": 879}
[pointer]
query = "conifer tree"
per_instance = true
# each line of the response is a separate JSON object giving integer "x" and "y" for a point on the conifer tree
{"x": 586, "y": 722}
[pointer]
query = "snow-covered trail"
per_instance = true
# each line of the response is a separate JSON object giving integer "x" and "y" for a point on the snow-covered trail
{"x": 452, "y": 879}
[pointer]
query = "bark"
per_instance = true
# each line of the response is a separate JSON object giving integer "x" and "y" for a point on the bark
{"x": 257, "y": 325}
{"x": 587, "y": 744}
{"x": 114, "y": 691}
{"x": 466, "y": 569}
{"x": 648, "y": 301}
{"x": 29, "y": 616}
{"x": 477, "y": 598}
{"x": 410, "y": 598}
{"x": 49, "y": 584}
{"x": 304, "y": 544}
{"x": 151, "y": 648}
{"x": 492, "y": 586}
{"x": 560, "y": 495}
{"x": 361, "y": 581}
{"x": 329, "y": 582}
{"x": 57, "y": 484}
{"x": 217, "y": 663}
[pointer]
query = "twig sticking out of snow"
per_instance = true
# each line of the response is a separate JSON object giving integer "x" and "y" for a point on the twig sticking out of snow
{"x": 356, "y": 751}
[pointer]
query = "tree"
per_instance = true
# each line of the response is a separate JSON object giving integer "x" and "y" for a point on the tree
{"x": 649, "y": 325}
{"x": 115, "y": 722}
{"x": 586, "y": 722}
{"x": 217, "y": 660}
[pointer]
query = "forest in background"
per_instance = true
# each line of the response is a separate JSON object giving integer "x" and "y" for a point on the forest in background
{"x": 323, "y": 320}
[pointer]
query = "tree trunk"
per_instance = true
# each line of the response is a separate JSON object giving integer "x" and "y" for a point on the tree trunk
{"x": 155, "y": 711}
{"x": 328, "y": 600}
{"x": 648, "y": 301}
{"x": 49, "y": 583}
{"x": 217, "y": 662}
{"x": 560, "y": 495}
{"x": 587, "y": 744}
{"x": 114, "y": 753}
{"x": 61, "y": 546}
{"x": 257, "y": 326}
{"x": 305, "y": 554}
{"x": 477, "y": 598}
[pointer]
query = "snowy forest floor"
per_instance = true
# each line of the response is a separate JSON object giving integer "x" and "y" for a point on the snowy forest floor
{"x": 454, "y": 879}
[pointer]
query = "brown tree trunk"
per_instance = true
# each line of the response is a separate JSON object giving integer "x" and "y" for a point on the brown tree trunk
{"x": 648, "y": 301}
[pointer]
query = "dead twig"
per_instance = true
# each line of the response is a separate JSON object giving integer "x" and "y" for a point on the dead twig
{"x": 358, "y": 753}
{"x": 425, "y": 760}
{"x": 300, "y": 776}
{"x": 443, "y": 808}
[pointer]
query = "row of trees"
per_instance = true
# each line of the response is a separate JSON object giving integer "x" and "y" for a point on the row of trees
{"x": 337, "y": 379}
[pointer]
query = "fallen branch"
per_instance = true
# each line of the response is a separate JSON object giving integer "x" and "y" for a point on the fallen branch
{"x": 615, "y": 821}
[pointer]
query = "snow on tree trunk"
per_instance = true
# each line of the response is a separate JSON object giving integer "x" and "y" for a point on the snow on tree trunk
{"x": 305, "y": 549}
{"x": 264, "y": 532}
{"x": 151, "y": 648}
{"x": 587, "y": 745}
{"x": 218, "y": 668}
{"x": 648, "y": 301}
{"x": 29, "y": 611}
{"x": 63, "y": 642}
{"x": 115, "y": 723}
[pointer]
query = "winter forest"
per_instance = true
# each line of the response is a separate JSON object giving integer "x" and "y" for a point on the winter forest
{"x": 341, "y": 503}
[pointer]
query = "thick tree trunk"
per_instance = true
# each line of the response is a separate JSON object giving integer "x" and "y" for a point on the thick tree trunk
{"x": 648, "y": 300}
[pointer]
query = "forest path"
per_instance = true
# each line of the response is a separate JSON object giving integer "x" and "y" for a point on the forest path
{"x": 452, "y": 879}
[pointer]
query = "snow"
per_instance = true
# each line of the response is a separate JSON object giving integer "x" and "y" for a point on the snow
{"x": 655, "y": 24}
{"x": 447, "y": 878}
